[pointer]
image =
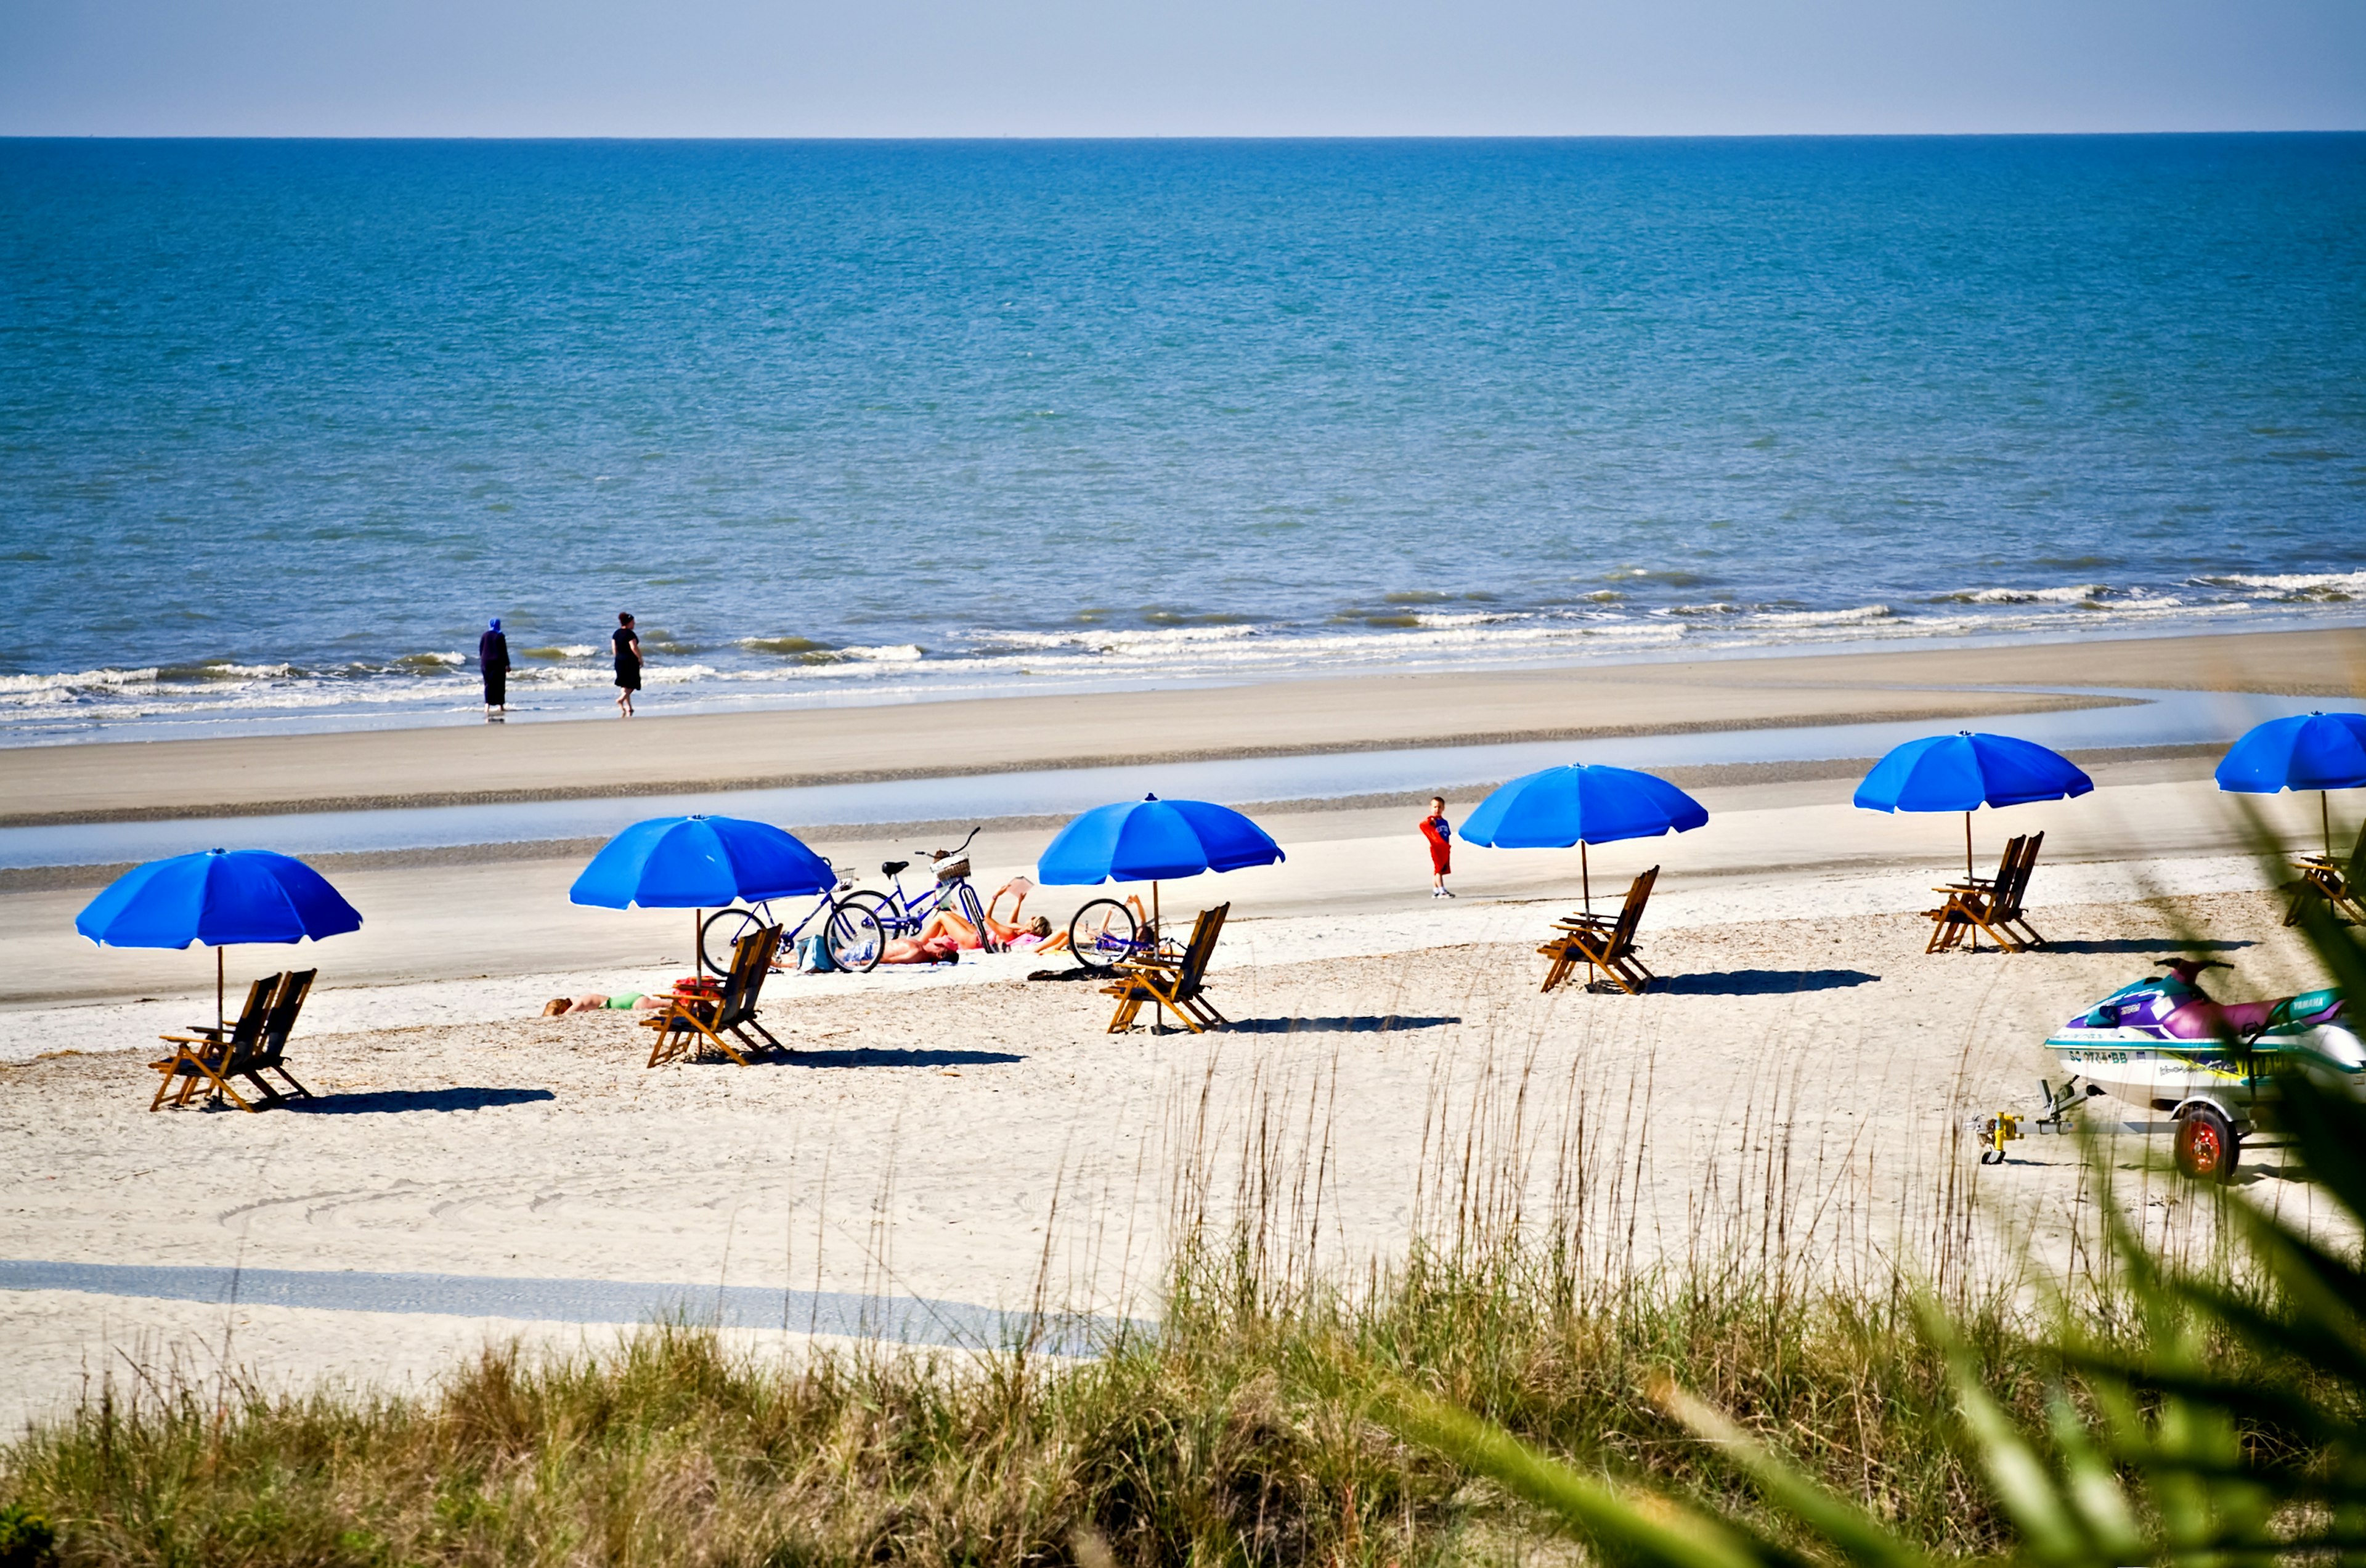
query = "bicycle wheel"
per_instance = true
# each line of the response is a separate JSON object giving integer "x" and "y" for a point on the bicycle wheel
{"x": 717, "y": 934}
{"x": 1101, "y": 933}
{"x": 856, "y": 940}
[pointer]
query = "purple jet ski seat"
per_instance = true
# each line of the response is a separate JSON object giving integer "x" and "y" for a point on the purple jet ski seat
{"x": 2208, "y": 1021}
{"x": 2203, "y": 1020}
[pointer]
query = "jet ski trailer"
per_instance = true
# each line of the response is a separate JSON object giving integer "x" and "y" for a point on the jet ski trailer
{"x": 2162, "y": 1043}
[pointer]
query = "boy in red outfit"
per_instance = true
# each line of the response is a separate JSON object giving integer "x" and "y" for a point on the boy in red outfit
{"x": 1439, "y": 832}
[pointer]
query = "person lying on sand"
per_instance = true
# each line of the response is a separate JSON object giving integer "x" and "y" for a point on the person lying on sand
{"x": 946, "y": 934}
{"x": 595, "y": 1002}
{"x": 1034, "y": 933}
{"x": 939, "y": 941}
{"x": 1018, "y": 932}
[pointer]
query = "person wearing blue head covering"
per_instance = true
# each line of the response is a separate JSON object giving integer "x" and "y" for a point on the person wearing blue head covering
{"x": 494, "y": 659}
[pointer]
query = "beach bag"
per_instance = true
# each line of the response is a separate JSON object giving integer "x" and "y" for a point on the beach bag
{"x": 813, "y": 955}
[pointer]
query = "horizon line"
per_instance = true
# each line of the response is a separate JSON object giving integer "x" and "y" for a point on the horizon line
{"x": 1188, "y": 135}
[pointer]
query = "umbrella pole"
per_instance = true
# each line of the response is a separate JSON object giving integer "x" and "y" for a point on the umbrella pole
{"x": 2325, "y": 821}
{"x": 697, "y": 959}
{"x": 1585, "y": 881}
{"x": 1967, "y": 846}
{"x": 221, "y": 1014}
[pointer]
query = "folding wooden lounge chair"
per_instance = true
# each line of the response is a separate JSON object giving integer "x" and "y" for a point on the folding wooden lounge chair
{"x": 694, "y": 1022}
{"x": 2006, "y": 913}
{"x": 1967, "y": 904}
{"x": 1176, "y": 986}
{"x": 274, "y": 1044}
{"x": 1952, "y": 920}
{"x": 2341, "y": 886}
{"x": 1603, "y": 944}
{"x": 209, "y": 1057}
{"x": 1994, "y": 907}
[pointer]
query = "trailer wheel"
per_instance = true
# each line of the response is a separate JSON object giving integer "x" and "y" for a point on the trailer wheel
{"x": 2207, "y": 1145}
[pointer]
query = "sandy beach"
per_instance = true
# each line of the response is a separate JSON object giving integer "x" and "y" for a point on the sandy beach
{"x": 969, "y": 1136}
{"x": 988, "y": 1144}
{"x": 478, "y": 763}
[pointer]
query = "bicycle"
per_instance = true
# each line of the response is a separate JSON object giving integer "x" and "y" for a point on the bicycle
{"x": 1108, "y": 931}
{"x": 847, "y": 927}
{"x": 896, "y": 913}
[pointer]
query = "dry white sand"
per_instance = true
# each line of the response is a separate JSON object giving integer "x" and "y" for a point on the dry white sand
{"x": 986, "y": 1143}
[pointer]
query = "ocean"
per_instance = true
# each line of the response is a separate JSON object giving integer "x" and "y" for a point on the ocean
{"x": 282, "y": 423}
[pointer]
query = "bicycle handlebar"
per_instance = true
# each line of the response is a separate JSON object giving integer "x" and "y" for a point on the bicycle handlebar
{"x": 958, "y": 849}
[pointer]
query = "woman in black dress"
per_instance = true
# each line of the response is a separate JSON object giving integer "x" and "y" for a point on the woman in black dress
{"x": 494, "y": 659}
{"x": 628, "y": 663}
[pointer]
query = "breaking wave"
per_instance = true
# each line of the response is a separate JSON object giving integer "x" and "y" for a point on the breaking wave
{"x": 2301, "y": 587}
{"x": 1652, "y": 614}
{"x": 2076, "y": 594}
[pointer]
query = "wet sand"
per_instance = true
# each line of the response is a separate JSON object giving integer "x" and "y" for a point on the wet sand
{"x": 481, "y": 763}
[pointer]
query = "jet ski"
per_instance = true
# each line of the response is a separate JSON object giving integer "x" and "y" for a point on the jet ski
{"x": 2163, "y": 1043}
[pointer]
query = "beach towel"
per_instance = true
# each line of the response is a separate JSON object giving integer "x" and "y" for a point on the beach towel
{"x": 1441, "y": 848}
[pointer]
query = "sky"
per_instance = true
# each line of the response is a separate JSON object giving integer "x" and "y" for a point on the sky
{"x": 898, "y": 68}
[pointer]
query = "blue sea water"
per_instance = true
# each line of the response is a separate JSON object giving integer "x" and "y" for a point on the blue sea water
{"x": 282, "y": 421}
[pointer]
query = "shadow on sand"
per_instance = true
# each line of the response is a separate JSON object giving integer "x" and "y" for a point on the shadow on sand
{"x": 876, "y": 1058}
{"x": 1763, "y": 982}
{"x": 1367, "y": 1024}
{"x": 393, "y": 1101}
{"x": 2154, "y": 946}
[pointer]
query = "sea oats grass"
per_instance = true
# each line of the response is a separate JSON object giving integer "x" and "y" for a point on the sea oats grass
{"x": 1222, "y": 1436}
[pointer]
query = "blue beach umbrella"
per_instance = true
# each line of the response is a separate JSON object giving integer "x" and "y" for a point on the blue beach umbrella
{"x": 1964, "y": 772}
{"x": 699, "y": 862}
{"x": 1581, "y": 805}
{"x": 2316, "y": 750}
{"x": 1151, "y": 840}
{"x": 219, "y": 898}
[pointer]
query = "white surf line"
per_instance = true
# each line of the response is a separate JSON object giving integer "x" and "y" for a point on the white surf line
{"x": 901, "y": 1320}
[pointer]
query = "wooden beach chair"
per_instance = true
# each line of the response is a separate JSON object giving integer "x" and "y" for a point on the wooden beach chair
{"x": 208, "y": 1055}
{"x": 1967, "y": 903}
{"x": 272, "y": 1047}
{"x": 1177, "y": 985}
{"x": 2341, "y": 884}
{"x": 1990, "y": 905}
{"x": 693, "y": 1022}
{"x": 1604, "y": 944}
{"x": 2007, "y": 913}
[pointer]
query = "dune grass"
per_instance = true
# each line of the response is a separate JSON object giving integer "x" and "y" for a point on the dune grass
{"x": 1226, "y": 1434}
{"x": 1215, "y": 1440}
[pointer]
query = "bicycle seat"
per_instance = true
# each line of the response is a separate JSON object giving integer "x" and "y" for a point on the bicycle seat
{"x": 889, "y": 868}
